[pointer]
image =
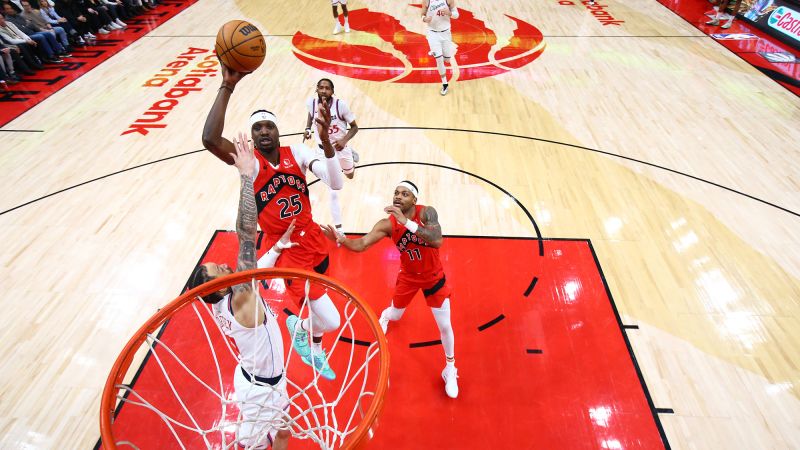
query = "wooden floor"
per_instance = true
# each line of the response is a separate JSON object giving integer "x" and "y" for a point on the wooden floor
{"x": 677, "y": 159}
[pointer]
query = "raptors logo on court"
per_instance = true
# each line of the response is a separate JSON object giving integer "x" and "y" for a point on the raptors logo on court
{"x": 476, "y": 56}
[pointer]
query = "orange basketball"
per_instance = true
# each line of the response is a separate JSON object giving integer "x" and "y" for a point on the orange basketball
{"x": 240, "y": 46}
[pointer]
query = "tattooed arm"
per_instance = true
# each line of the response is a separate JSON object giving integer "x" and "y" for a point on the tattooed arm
{"x": 247, "y": 310}
{"x": 247, "y": 218}
{"x": 431, "y": 231}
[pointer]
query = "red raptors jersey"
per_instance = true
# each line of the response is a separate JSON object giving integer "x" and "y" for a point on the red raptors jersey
{"x": 281, "y": 194}
{"x": 416, "y": 256}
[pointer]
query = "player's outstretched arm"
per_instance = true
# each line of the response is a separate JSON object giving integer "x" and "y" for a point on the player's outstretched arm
{"x": 215, "y": 121}
{"x": 271, "y": 257}
{"x": 247, "y": 310}
{"x": 381, "y": 230}
{"x": 330, "y": 171}
{"x": 323, "y": 120}
{"x": 247, "y": 218}
{"x": 431, "y": 231}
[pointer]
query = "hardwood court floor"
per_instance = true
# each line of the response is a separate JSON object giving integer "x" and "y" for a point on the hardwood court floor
{"x": 674, "y": 157}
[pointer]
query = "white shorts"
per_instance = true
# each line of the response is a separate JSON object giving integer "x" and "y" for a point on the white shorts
{"x": 441, "y": 43}
{"x": 262, "y": 407}
{"x": 345, "y": 158}
{"x": 339, "y": 2}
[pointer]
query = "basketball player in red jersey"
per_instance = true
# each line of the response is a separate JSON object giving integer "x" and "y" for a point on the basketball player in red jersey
{"x": 416, "y": 232}
{"x": 282, "y": 196}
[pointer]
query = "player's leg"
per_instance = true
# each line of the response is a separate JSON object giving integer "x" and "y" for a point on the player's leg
{"x": 438, "y": 298}
{"x": 450, "y": 373}
{"x": 260, "y": 407}
{"x": 404, "y": 291}
{"x": 345, "y": 12}
{"x": 347, "y": 159}
{"x": 348, "y": 168}
{"x": 323, "y": 318}
{"x": 435, "y": 43}
{"x": 390, "y": 314}
{"x": 323, "y": 315}
{"x": 448, "y": 51}
{"x": 338, "y": 28}
{"x": 336, "y": 211}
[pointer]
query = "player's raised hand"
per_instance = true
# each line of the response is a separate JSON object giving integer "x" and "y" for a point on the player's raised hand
{"x": 397, "y": 213}
{"x": 286, "y": 240}
{"x": 330, "y": 232}
{"x": 323, "y": 118}
{"x": 229, "y": 76}
{"x": 244, "y": 159}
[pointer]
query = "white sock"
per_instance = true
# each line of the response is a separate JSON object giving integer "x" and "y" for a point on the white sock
{"x": 442, "y": 316}
{"x": 316, "y": 348}
{"x": 336, "y": 208}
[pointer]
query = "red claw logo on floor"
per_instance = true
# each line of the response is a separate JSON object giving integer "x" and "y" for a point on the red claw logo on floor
{"x": 476, "y": 56}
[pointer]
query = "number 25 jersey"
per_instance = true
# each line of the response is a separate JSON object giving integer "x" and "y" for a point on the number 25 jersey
{"x": 282, "y": 194}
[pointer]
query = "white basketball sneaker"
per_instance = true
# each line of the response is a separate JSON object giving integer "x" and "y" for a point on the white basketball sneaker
{"x": 346, "y": 27}
{"x": 450, "y": 374}
{"x": 444, "y": 89}
{"x": 338, "y": 28}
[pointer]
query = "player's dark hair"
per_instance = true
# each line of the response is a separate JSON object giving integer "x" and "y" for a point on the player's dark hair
{"x": 415, "y": 186}
{"x": 200, "y": 276}
{"x": 329, "y": 81}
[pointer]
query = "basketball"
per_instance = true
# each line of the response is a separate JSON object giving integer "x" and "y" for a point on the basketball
{"x": 240, "y": 46}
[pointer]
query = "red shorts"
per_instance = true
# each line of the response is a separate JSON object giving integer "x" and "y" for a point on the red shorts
{"x": 434, "y": 287}
{"x": 310, "y": 254}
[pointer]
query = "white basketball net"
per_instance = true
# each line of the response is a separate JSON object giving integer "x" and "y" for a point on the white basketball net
{"x": 322, "y": 411}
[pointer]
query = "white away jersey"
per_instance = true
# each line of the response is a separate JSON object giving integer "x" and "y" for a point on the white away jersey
{"x": 340, "y": 117}
{"x": 260, "y": 348}
{"x": 440, "y": 15}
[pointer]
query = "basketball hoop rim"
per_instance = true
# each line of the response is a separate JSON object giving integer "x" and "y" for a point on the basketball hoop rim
{"x": 122, "y": 364}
